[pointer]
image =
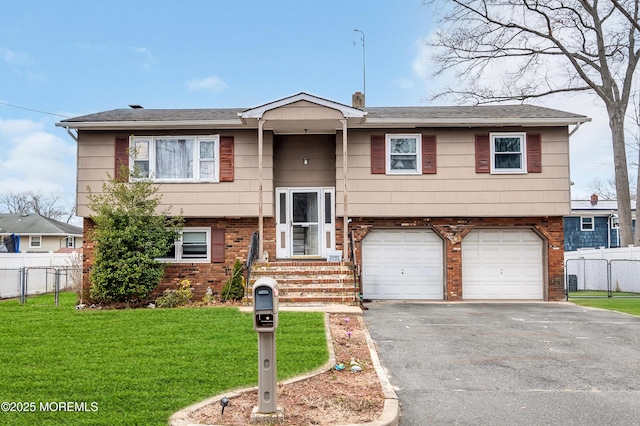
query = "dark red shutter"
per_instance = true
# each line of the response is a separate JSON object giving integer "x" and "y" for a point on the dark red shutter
{"x": 121, "y": 157}
{"x": 483, "y": 154}
{"x": 226, "y": 159}
{"x": 217, "y": 245}
{"x": 378, "y": 155}
{"x": 429, "y": 164}
{"x": 534, "y": 153}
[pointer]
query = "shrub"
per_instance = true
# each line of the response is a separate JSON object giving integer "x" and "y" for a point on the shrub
{"x": 234, "y": 287}
{"x": 173, "y": 298}
{"x": 129, "y": 236}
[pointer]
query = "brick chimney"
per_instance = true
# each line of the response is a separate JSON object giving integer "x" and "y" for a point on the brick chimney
{"x": 594, "y": 199}
{"x": 357, "y": 100}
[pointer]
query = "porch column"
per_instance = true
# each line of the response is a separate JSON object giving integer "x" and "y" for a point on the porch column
{"x": 260, "y": 200}
{"x": 345, "y": 216}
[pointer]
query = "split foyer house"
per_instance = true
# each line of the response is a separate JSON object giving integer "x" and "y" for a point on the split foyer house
{"x": 441, "y": 203}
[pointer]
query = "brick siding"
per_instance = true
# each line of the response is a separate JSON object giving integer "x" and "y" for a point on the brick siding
{"x": 238, "y": 233}
{"x": 453, "y": 230}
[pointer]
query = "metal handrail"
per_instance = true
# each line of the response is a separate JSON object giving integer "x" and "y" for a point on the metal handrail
{"x": 352, "y": 255}
{"x": 251, "y": 256}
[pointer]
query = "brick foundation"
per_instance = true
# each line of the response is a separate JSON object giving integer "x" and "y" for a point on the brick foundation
{"x": 453, "y": 230}
{"x": 238, "y": 233}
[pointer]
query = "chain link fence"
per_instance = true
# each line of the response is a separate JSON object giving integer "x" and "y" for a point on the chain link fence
{"x": 602, "y": 278}
{"x": 29, "y": 281}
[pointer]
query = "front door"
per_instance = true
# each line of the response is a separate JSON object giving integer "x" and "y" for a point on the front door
{"x": 305, "y": 222}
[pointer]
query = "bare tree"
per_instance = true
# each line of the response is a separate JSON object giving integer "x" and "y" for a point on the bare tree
{"x": 605, "y": 190}
{"x": 545, "y": 47}
{"x": 33, "y": 202}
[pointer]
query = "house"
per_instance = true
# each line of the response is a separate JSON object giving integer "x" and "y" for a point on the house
{"x": 38, "y": 234}
{"x": 442, "y": 203}
{"x": 593, "y": 223}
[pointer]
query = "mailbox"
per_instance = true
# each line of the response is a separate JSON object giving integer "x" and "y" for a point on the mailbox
{"x": 265, "y": 305}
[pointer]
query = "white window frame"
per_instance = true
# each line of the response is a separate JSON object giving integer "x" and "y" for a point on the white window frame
{"x": 70, "y": 242}
{"x": 33, "y": 239}
{"x": 197, "y": 140}
{"x": 523, "y": 152}
{"x": 388, "y": 155}
{"x": 179, "y": 257}
{"x": 592, "y": 223}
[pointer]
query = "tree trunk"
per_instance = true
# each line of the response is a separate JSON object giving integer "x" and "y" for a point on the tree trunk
{"x": 637, "y": 232}
{"x": 616, "y": 123}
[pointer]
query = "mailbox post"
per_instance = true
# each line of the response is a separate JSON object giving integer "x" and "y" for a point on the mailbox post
{"x": 265, "y": 322}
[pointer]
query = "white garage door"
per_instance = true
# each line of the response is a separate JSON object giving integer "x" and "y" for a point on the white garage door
{"x": 502, "y": 264}
{"x": 402, "y": 264}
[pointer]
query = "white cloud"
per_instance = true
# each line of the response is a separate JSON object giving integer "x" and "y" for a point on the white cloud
{"x": 211, "y": 83}
{"x": 149, "y": 59}
{"x": 421, "y": 64}
{"x": 14, "y": 58}
{"x": 403, "y": 83}
{"x": 33, "y": 159}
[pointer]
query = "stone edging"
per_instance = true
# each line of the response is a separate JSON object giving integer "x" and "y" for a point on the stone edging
{"x": 390, "y": 410}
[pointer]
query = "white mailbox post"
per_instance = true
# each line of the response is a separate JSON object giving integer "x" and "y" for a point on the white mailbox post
{"x": 265, "y": 322}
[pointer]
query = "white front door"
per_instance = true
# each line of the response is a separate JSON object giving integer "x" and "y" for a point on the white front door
{"x": 305, "y": 223}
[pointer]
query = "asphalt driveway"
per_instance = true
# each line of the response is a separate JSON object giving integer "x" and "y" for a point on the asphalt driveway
{"x": 509, "y": 363}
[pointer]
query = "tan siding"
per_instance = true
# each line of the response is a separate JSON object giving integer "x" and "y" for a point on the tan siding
{"x": 96, "y": 158}
{"x": 456, "y": 189}
{"x": 289, "y": 169}
{"x": 302, "y": 110}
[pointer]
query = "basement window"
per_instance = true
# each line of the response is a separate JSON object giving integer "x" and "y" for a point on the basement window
{"x": 193, "y": 246}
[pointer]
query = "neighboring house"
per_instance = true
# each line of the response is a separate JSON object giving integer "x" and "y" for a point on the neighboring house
{"x": 593, "y": 223}
{"x": 452, "y": 203}
{"x": 40, "y": 234}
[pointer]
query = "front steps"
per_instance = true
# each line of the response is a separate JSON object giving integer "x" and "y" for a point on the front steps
{"x": 308, "y": 282}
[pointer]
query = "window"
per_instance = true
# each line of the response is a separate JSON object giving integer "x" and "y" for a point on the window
{"x": 404, "y": 154}
{"x": 586, "y": 223}
{"x": 615, "y": 221}
{"x": 177, "y": 158}
{"x": 508, "y": 153}
{"x": 35, "y": 241}
{"x": 193, "y": 246}
{"x": 71, "y": 242}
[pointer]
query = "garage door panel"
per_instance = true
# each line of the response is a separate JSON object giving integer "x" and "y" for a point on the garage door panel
{"x": 402, "y": 264}
{"x": 502, "y": 264}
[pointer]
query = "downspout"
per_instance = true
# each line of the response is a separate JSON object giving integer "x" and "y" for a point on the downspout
{"x": 575, "y": 129}
{"x": 74, "y": 137}
{"x": 609, "y": 229}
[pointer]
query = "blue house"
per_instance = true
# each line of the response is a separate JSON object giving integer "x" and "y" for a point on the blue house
{"x": 593, "y": 224}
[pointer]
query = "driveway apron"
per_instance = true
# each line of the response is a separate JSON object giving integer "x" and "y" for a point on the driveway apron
{"x": 509, "y": 363}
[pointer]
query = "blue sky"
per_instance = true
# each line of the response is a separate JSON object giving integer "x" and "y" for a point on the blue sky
{"x": 78, "y": 57}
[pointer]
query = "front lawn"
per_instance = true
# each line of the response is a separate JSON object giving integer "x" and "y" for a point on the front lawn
{"x": 137, "y": 366}
{"x": 628, "y": 305}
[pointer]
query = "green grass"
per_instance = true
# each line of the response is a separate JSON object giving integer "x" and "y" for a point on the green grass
{"x": 628, "y": 305}
{"x": 138, "y": 365}
{"x": 601, "y": 293}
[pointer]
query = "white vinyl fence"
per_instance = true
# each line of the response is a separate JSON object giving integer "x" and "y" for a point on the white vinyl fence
{"x": 612, "y": 270}
{"x": 624, "y": 253}
{"x": 23, "y": 274}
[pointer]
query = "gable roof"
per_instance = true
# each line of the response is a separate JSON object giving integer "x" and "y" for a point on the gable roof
{"x": 431, "y": 116}
{"x": 601, "y": 206}
{"x": 35, "y": 224}
{"x": 346, "y": 110}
